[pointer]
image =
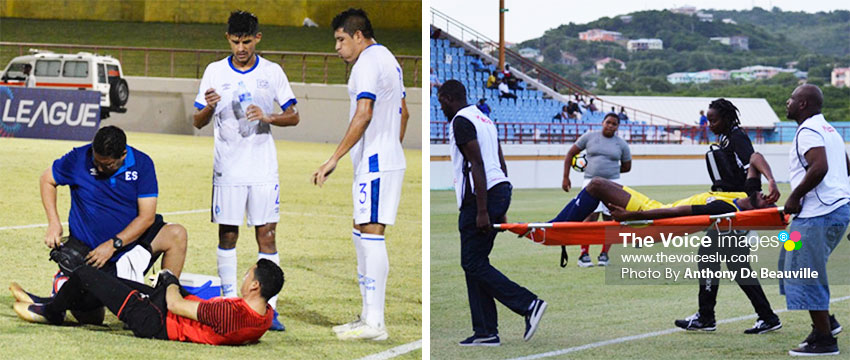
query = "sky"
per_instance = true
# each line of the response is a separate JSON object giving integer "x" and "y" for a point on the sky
{"x": 529, "y": 19}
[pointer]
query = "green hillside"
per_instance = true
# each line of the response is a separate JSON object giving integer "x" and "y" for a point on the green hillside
{"x": 822, "y": 32}
{"x": 775, "y": 39}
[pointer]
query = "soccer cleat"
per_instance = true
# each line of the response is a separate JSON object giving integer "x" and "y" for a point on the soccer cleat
{"x": 36, "y": 313}
{"x": 762, "y": 326}
{"x": 817, "y": 345}
{"x": 481, "y": 340}
{"x": 276, "y": 324}
{"x": 835, "y": 329}
{"x": 347, "y": 326}
{"x": 696, "y": 322}
{"x": 364, "y": 331}
{"x": 532, "y": 318}
{"x": 584, "y": 261}
{"x": 19, "y": 293}
{"x": 602, "y": 260}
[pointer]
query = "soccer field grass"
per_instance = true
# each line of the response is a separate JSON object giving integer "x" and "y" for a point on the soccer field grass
{"x": 584, "y": 310}
{"x": 313, "y": 239}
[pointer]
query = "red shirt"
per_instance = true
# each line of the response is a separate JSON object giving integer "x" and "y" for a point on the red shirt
{"x": 221, "y": 321}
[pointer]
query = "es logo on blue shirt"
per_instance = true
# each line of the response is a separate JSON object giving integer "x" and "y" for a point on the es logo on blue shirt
{"x": 131, "y": 175}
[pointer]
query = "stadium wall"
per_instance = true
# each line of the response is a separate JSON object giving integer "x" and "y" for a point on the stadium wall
{"x": 542, "y": 166}
{"x": 165, "y": 105}
{"x": 383, "y": 13}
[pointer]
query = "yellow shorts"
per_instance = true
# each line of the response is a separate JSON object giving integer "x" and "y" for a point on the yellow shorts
{"x": 640, "y": 202}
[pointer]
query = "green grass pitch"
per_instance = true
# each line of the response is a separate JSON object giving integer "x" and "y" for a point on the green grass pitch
{"x": 584, "y": 309}
{"x": 313, "y": 239}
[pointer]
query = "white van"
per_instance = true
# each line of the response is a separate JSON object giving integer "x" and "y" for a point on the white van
{"x": 80, "y": 71}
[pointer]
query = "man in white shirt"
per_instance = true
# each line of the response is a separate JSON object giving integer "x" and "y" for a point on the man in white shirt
{"x": 378, "y": 116}
{"x": 820, "y": 193}
{"x": 483, "y": 193}
{"x": 239, "y": 93}
{"x": 504, "y": 91}
{"x": 30, "y": 81}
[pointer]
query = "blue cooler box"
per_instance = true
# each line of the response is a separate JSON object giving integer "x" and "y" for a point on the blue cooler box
{"x": 203, "y": 286}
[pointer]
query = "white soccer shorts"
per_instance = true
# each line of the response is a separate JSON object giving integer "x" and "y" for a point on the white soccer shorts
{"x": 601, "y": 208}
{"x": 231, "y": 203}
{"x": 376, "y": 196}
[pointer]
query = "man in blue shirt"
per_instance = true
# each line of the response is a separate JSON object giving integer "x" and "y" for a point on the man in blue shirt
{"x": 113, "y": 208}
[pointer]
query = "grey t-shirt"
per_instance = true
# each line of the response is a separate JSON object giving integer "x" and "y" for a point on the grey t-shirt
{"x": 604, "y": 155}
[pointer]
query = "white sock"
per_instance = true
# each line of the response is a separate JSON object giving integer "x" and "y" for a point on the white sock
{"x": 227, "y": 271}
{"x": 361, "y": 269}
{"x": 375, "y": 279}
{"x": 275, "y": 258}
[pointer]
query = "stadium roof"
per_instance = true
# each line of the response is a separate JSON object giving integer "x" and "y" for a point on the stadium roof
{"x": 755, "y": 112}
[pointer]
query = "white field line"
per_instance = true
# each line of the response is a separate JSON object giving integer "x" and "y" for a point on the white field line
{"x": 396, "y": 351}
{"x": 184, "y": 212}
{"x": 643, "y": 336}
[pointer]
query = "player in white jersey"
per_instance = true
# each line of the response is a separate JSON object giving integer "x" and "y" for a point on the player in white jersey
{"x": 378, "y": 120}
{"x": 239, "y": 93}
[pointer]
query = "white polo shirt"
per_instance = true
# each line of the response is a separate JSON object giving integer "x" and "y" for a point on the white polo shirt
{"x": 834, "y": 190}
{"x": 244, "y": 151}
{"x": 376, "y": 75}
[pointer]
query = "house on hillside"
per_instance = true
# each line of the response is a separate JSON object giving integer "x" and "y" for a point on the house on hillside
{"x": 736, "y": 42}
{"x": 689, "y": 77}
{"x": 626, "y": 19}
{"x": 840, "y": 77}
{"x": 685, "y": 10}
{"x": 568, "y": 59}
{"x": 644, "y": 44}
{"x": 531, "y": 53}
{"x": 599, "y": 35}
{"x": 717, "y": 74}
{"x": 705, "y": 17}
{"x": 601, "y": 63}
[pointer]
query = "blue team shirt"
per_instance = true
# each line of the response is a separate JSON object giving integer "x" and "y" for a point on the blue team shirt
{"x": 102, "y": 207}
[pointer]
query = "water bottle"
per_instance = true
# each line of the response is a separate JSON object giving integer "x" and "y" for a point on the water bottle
{"x": 244, "y": 99}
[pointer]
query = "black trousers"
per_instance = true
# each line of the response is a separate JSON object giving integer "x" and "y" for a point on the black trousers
{"x": 709, "y": 286}
{"x": 484, "y": 283}
{"x": 141, "y": 307}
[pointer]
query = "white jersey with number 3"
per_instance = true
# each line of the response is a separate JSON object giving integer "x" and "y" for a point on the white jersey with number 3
{"x": 376, "y": 75}
{"x": 245, "y": 153}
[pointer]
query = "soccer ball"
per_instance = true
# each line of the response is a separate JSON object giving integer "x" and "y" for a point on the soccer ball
{"x": 580, "y": 162}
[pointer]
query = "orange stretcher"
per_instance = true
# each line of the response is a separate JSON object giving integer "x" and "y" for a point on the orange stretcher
{"x": 594, "y": 233}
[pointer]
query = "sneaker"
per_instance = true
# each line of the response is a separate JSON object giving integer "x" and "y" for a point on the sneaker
{"x": 347, "y": 326}
{"x": 532, "y": 319}
{"x": 20, "y": 294}
{"x": 835, "y": 328}
{"x": 36, "y": 313}
{"x": 817, "y": 345}
{"x": 584, "y": 261}
{"x": 696, "y": 322}
{"x": 481, "y": 340}
{"x": 364, "y": 331}
{"x": 276, "y": 324}
{"x": 762, "y": 326}
{"x": 602, "y": 260}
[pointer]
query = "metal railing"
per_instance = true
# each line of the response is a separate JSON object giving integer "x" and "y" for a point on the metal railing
{"x": 309, "y": 67}
{"x": 561, "y": 133}
{"x": 544, "y": 76}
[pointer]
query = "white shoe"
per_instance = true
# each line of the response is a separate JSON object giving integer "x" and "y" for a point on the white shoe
{"x": 364, "y": 331}
{"x": 347, "y": 326}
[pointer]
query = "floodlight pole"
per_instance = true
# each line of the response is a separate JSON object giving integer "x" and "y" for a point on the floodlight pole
{"x": 502, "y": 12}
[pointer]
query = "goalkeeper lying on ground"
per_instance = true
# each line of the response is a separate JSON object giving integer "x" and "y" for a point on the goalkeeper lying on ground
{"x": 627, "y": 204}
{"x": 163, "y": 312}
